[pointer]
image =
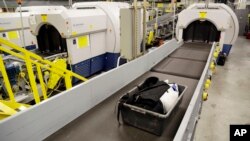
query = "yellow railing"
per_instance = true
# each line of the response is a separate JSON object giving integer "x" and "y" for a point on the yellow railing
{"x": 30, "y": 60}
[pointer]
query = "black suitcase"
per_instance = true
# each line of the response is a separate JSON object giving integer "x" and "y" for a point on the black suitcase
{"x": 221, "y": 59}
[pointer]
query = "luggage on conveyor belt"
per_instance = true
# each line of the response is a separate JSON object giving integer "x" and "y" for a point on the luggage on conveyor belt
{"x": 149, "y": 105}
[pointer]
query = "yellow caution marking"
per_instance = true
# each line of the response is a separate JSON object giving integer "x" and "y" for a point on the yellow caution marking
{"x": 83, "y": 41}
{"x": 44, "y": 17}
{"x": 74, "y": 33}
{"x": 203, "y": 15}
{"x": 160, "y": 5}
{"x": 12, "y": 35}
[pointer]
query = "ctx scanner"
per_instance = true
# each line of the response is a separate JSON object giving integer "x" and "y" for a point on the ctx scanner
{"x": 207, "y": 23}
{"x": 11, "y": 27}
{"x": 90, "y": 32}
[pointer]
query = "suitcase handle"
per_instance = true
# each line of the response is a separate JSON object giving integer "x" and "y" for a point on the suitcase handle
{"x": 139, "y": 111}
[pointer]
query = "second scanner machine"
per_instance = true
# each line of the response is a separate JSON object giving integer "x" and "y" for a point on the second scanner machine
{"x": 90, "y": 33}
{"x": 11, "y": 27}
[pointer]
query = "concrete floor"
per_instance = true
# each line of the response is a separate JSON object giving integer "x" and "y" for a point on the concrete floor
{"x": 229, "y": 96}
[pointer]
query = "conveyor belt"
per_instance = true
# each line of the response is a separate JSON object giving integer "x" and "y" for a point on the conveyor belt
{"x": 100, "y": 122}
{"x": 187, "y": 61}
{"x": 197, "y": 46}
{"x": 180, "y": 67}
{"x": 190, "y": 54}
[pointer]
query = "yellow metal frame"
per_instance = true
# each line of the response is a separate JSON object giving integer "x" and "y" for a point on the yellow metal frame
{"x": 6, "y": 80}
{"x": 31, "y": 59}
{"x": 9, "y": 108}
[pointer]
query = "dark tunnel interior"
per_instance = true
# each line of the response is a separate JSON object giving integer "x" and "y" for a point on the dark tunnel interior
{"x": 50, "y": 41}
{"x": 201, "y": 31}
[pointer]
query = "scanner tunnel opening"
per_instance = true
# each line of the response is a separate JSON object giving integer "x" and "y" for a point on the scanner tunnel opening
{"x": 201, "y": 31}
{"x": 50, "y": 41}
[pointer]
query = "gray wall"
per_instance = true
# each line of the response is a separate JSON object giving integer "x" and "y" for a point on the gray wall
{"x": 242, "y": 15}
